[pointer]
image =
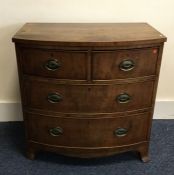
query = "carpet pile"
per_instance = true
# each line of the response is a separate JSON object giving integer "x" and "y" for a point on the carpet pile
{"x": 14, "y": 162}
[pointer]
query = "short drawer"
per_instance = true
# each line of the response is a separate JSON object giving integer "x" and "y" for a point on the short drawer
{"x": 88, "y": 98}
{"x": 80, "y": 132}
{"x": 122, "y": 64}
{"x": 55, "y": 64}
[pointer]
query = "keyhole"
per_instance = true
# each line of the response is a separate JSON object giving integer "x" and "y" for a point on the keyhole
{"x": 89, "y": 89}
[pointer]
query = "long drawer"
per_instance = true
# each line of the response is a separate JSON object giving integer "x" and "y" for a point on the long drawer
{"x": 50, "y": 96}
{"x": 85, "y": 132}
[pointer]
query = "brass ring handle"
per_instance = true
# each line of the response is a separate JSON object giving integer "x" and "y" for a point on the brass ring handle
{"x": 123, "y": 98}
{"x": 121, "y": 132}
{"x": 127, "y": 65}
{"x": 54, "y": 98}
{"x": 52, "y": 65}
{"x": 57, "y": 131}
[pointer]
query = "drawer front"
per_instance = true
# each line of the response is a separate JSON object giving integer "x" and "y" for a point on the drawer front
{"x": 55, "y": 64}
{"x": 100, "y": 132}
{"x": 124, "y": 63}
{"x": 88, "y": 98}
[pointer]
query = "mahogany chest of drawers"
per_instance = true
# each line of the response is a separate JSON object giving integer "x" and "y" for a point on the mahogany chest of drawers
{"x": 88, "y": 90}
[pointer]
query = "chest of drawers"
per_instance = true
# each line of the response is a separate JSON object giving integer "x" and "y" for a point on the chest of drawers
{"x": 88, "y": 90}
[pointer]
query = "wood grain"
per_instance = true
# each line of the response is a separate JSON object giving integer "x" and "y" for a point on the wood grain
{"x": 94, "y": 132}
{"x": 89, "y": 82}
{"x": 73, "y": 65}
{"x": 88, "y": 98}
{"x": 88, "y": 34}
{"x": 106, "y": 64}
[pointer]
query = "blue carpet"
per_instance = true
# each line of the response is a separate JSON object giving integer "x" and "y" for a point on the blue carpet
{"x": 13, "y": 161}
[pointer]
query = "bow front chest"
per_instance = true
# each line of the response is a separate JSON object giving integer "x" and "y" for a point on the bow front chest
{"x": 88, "y": 90}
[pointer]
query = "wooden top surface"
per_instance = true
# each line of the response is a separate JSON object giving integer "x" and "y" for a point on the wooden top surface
{"x": 88, "y": 34}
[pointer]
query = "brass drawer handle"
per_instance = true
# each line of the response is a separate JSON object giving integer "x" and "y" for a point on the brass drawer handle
{"x": 127, "y": 65}
{"x": 123, "y": 98}
{"x": 52, "y": 65}
{"x": 54, "y": 98}
{"x": 57, "y": 131}
{"x": 121, "y": 132}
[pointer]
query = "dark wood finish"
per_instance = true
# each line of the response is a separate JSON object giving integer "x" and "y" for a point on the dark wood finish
{"x": 88, "y": 98}
{"x": 84, "y": 34}
{"x": 106, "y": 64}
{"x": 73, "y": 64}
{"x": 86, "y": 152}
{"x": 85, "y": 132}
{"x": 100, "y": 99}
{"x": 144, "y": 153}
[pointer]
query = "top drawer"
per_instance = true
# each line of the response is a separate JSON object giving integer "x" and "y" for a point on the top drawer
{"x": 128, "y": 63}
{"x": 55, "y": 64}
